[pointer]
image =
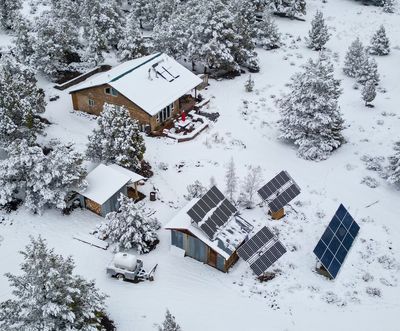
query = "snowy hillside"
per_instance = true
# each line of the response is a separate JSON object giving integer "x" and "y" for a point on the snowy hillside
{"x": 364, "y": 296}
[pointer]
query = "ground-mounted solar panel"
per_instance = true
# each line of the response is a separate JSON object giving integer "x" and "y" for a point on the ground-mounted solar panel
{"x": 261, "y": 251}
{"x": 336, "y": 241}
{"x": 274, "y": 185}
{"x": 284, "y": 198}
{"x": 202, "y": 207}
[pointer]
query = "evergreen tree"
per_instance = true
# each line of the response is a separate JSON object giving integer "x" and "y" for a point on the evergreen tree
{"x": 250, "y": 185}
{"x": 132, "y": 45}
{"x": 380, "y": 43}
{"x": 165, "y": 9}
{"x": 117, "y": 139}
{"x": 145, "y": 13}
{"x": 169, "y": 323}
{"x": 130, "y": 227}
{"x": 319, "y": 34}
{"x": 48, "y": 296}
{"x": 368, "y": 92}
{"x": 21, "y": 103}
{"x": 311, "y": 117}
{"x": 389, "y": 6}
{"x": 290, "y": 8}
{"x": 9, "y": 11}
{"x": 231, "y": 180}
{"x": 354, "y": 59}
{"x": 23, "y": 40}
{"x": 394, "y": 165}
{"x": 249, "y": 84}
{"x": 268, "y": 36}
{"x": 195, "y": 190}
{"x": 44, "y": 180}
{"x": 368, "y": 71}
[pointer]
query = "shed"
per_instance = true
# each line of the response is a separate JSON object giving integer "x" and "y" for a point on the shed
{"x": 105, "y": 184}
{"x": 220, "y": 252}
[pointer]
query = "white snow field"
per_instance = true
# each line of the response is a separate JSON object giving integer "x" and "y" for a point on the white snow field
{"x": 364, "y": 296}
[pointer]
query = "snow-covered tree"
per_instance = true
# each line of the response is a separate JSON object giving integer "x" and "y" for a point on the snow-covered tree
{"x": 169, "y": 323}
{"x": 43, "y": 180}
{"x": 145, "y": 12}
{"x": 319, "y": 34}
{"x": 290, "y": 8}
{"x": 21, "y": 103}
{"x": 393, "y": 169}
{"x": 195, "y": 190}
{"x": 310, "y": 115}
{"x": 23, "y": 39}
{"x": 165, "y": 9}
{"x": 231, "y": 180}
{"x": 117, "y": 139}
{"x": 268, "y": 36}
{"x": 389, "y": 6}
{"x": 380, "y": 43}
{"x": 249, "y": 84}
{"x": 368, "y": 71}
{"x": 9, "y": 11}
{"x": 131, "y": 45}
{"x": 354, "y": 59}
{"x": 368, "y": 92}
{"x": 249, "y": 187}
{"x": 130, "y": 227}
{"x": 48, "y": 296}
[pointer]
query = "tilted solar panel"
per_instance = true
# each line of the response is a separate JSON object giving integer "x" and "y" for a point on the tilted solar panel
{"x": 266, "y": 260}
{"x": 336, "y": 241}
{"x": 284, "y": 198}
{"x": 255, "y": 243}
{"x": 274, "y": 185}
{"x": 202, "y": 207}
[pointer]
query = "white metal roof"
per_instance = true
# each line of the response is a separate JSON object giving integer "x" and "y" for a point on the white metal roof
{"x": 227, "y": 240}
{"x": 132, "y": 175}
{"x": 139, "y": 81}
{"x": 103, "y": 182}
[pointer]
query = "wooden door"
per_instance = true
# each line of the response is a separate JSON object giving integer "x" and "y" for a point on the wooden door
{"x": 93, "y": 206}
{"x": 212, "y": 257}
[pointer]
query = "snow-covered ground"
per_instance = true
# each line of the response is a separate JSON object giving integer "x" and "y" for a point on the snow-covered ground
{"x": 202, "y": 298}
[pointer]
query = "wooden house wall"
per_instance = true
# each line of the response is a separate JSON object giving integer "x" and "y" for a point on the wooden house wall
{"x": 80, "y": 101}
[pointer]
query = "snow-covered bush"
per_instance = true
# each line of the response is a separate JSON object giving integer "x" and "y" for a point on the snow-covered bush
{"x": 370, "y": 182}
{"x": 131, "y": 227}
{"x": 290, "y": 8}
{"x": 169, "y": 323}
{"x": 195, "y": 190}
{"x": 393, "y": 170}
{"x": 368, "y": 92}
{"x": 354, "y": 59}
{"x": 250, "y": 185}
{"x": 373, "y": 291}
{"x": 117, "y": 139}
{"x": 48, "y": 296}
{"x": 9, "y": 11}
{"x": 389, "y": 6}
{"x": 380, "y": 43}
{"x": 21, "y": 103}
{"x": 319, "y": 34}
{"x": 310, "y": 114}
{"x": 374, "y": 163}
{"x": 249, "y": 84}
{"x": 43, "y": 180}
{"x": 268, "y": 36}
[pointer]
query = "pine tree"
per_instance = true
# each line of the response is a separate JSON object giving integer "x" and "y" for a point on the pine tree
{"x": 393, "y": 169}
{"x": 130, "y": 227}
{"x": 195, "y": 190}
{"x": 249, "y": 84}
{"x": 380, "y": 43}
{"x": 23, "y": 41}
{"x": 48, "y": 296}
{"x": 368, "y": 71}
{"x": 368, "y": 92}
{"x": 354, "y": 59}
{"x": 290, "y": 8}
{"x": 169, "y": 323}
{"x": 319, "y": 34}
{"x": 9, "y": 11}
{"x": 132, "y": 45}
{"x": 165, "y": 9}
{"x": 44, "y": 180}
{"x": 145, "y": 13}
{"x": 21, "y": 103}
{"x": 117, "y": 139}
{"x": 268, "y": 36}
{"x": 389, "y": 6}
{"x": 250, "y": 185}
{"x": 231, "y": 180}
{"x": 310, "y": 115}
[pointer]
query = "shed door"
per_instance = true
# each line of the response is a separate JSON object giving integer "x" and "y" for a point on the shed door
{"x": 212, "y": 258}
{"x": 93, "y": 206}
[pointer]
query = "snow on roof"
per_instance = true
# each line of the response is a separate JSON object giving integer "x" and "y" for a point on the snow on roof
{"x": 226, "y": 241}
{"x": 152, "y": 82}
{"x": 103, "y": 183}
{"x": 132, "y": 175}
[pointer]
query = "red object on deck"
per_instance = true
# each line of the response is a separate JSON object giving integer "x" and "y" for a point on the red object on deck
{"x": 183, "y": 116}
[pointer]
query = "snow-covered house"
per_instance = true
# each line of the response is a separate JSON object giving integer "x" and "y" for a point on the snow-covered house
{"x": 105, "y": 184}
{"x": 219, "y": 252}
{"x": 152, "y": 88}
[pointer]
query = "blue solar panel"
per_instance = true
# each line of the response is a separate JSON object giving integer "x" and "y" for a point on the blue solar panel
{"x": 336, "y": 241}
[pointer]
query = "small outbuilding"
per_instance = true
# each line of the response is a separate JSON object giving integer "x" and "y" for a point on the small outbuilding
{"x": 219, "y": 252}
{"x": 105, "y": 184}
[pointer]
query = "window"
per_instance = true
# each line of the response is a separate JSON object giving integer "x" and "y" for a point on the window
{"x": 165, "y": 113}
{"x": 91, "y": 102}
{"x": 111, "y": 91}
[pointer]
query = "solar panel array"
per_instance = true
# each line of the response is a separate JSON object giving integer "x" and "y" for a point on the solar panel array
{"x": 336, "y": 241}
{"x": 221, "y": 210}
{"x": 279, "y": 191}
{"x": 261, "y": 251}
